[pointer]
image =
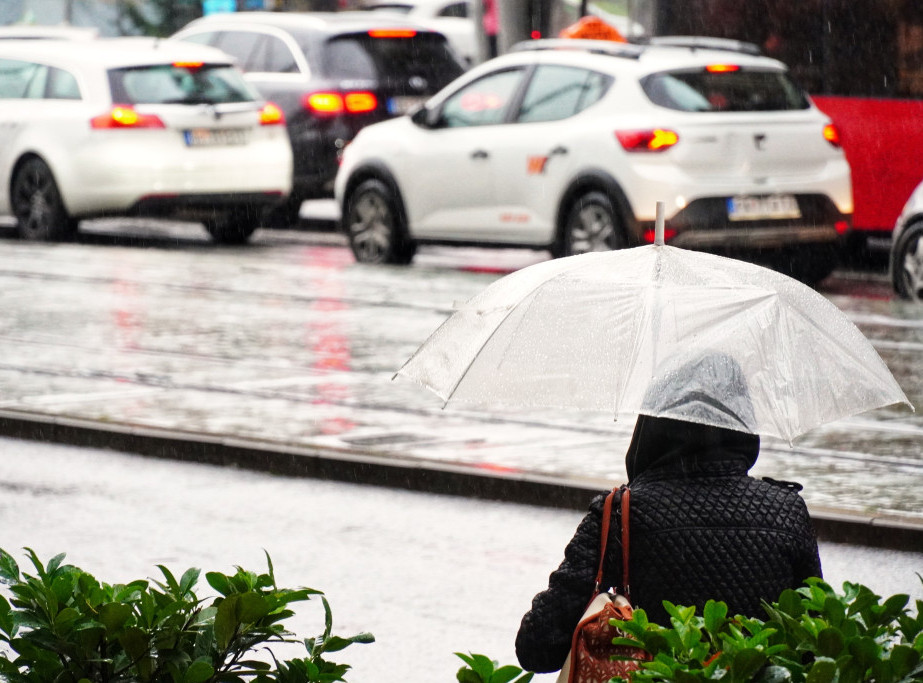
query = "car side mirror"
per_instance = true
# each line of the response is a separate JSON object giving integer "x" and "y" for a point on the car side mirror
{"x": 425, "y": 117}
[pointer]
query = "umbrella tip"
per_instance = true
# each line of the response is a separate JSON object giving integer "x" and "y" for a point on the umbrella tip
{"x": 658, "y": 225}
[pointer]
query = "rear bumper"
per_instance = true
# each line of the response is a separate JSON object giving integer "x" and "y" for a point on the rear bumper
{"x": 704, "y": 224}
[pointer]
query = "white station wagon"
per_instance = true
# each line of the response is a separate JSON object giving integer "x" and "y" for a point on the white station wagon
{"x": 135, "y": 126}
{"x": 568, "y": 145}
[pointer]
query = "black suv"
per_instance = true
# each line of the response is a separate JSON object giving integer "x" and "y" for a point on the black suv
{"x": 331, "y": 74}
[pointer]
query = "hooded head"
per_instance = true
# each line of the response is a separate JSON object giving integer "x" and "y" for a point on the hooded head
{"x": 705, "y": 420}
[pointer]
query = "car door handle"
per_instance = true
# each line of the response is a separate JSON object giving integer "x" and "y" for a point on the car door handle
{"x": 558, "y": 150}
{"x": 479, "y": 154}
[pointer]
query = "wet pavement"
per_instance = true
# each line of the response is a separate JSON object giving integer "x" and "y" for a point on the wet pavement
{"x": 290, "y": 345}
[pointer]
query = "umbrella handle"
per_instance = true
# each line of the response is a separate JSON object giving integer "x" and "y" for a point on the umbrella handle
{"x": 658, "y": 225}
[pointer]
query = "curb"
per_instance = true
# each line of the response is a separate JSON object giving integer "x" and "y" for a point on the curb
{"x": 397, "y": 471}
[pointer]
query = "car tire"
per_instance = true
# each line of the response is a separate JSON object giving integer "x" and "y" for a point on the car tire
{"x": 592, "y": 224}
{"x": 234, "y": 227}
{"x": 374, "y": 225}
{"x": 37, "y": 204}
{"x": 810, "y": 264}
{"x": 907, "y": 263}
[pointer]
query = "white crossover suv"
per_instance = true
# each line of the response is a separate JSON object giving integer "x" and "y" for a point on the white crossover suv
{"x": 568, "y": 145}
{"x": 135, "y": 126}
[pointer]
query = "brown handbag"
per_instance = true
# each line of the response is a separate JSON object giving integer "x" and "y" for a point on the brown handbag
{"x": 590, "y": 657}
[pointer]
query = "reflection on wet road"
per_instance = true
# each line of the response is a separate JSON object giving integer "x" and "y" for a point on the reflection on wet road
{"x": 288, "y": 340}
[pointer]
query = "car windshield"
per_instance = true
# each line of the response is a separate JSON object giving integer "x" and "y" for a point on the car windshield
{"x": 179, "y": 84}
{"x": 361, "y": 56}
{"x": 724, "y": 91}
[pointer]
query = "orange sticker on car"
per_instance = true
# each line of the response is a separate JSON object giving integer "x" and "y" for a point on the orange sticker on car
{"x": 536, "y": 165}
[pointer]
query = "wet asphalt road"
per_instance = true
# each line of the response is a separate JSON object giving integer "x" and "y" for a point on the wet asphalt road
{"x": 289, "y": 341}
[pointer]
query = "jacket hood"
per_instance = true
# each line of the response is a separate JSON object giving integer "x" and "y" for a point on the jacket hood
{"x": 700, "y": 422}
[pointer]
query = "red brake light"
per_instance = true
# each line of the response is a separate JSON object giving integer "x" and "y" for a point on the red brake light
{"x": 656, "y": 140}
{"x": 324, "y": 103}
{"x": 360, "y": 102}
{"x": 124, "y": 116}
{"x": 271, "y": 115}
{"x": 333, "y": 103}
{"x": 535, "y": 35}
{"x": 832, "y": 135}
{"x": 392, "y": 33}
{"x": 721, "y": 68}
{"x": 188, "y": 65}
{"x": 668, "y": 234}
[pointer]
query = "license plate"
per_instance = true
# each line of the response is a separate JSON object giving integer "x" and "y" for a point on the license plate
{"x": 745, "y": 208}
{"x": 209, "y": 137}
{"x": 403, "y": 105}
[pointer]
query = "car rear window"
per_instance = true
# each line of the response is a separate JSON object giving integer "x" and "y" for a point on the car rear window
{"x": 361, "y": 56}
{"x": 720, "y": 91}
{"x": 179, "y": 84}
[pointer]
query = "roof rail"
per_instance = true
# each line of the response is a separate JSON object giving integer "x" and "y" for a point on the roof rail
{"x": 600, "y": 47}
{"x": 700, "y": 42}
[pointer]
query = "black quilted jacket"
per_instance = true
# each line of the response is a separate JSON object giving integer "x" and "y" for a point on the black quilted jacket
{"x": 700, "y": 528}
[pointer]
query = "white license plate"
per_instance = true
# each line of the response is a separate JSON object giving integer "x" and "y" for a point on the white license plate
{"x": 209, "y": 137}
{"x": 745, "y": 208}
{"x": 404, "y": 105}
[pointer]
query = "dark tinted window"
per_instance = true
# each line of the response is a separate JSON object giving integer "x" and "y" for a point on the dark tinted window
{"x": 362, "y": 56}
{"x": 725, "y": 91}
{"x": 556, "y": 92}
{"x": 165, "y": 84}
{"x": 482, "y": 103}
{"x": 456, "y": 9}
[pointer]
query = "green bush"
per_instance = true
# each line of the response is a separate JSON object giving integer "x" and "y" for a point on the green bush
{"x": 61, "y": 624}
{"x": 812, "y": 635}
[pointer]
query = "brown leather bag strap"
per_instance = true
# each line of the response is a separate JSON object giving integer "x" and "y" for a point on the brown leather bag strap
{"x": 604, "y": 538}
{"x": 626, "y": 499}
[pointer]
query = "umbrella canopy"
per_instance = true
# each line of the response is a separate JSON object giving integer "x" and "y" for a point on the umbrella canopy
{"x": 661, "y": 331}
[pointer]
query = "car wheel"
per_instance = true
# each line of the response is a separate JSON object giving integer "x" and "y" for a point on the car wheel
{"x": 234, "y": 227}
{"x": 592, "y": 224}
{"x": 374, "y": 226}
{"x": 810, "y": 264}
{"x": 37, "y": 204}
{"x": 907, "y": 260}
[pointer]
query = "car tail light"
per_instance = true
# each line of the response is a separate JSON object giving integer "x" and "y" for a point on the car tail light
{"x": 189, "y": 65}
{"x": 392, "y": 33}
{"x": 721, "y": 68}
{"x": 360, "y": 102}
{"x": 124, "y": 116}
{"x": 650, "y": 235}
{"x": 271, "y": 115}
{"x": 654, "y": 140}
{"x": 832, "y": 135}
{"x": 333, "y": 103}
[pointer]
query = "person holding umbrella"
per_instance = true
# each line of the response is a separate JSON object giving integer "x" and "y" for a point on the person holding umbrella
{"x": 701, "y": 527}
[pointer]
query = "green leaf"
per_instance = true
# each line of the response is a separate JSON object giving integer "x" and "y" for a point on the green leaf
{"x": 466, "y": 675}
{"x": 746, "y": 663}
{"x": 865, "y": 651}
{"x": 822, "y": 671}
{"x": 9, "y": 570}
{"x": 113, "y": 615}
{"x": 790, "y": 603}
{"x": 219, "y": 582}
{"x": 251, "y": 607}
{"x": 199, "y": 671}
{"x": 505, "y": 674}
{"x": 226, "y": 621}
{"x": 903, "y": 659}
{"x": 830, "y": 643}
{"x": 715, "y": 614}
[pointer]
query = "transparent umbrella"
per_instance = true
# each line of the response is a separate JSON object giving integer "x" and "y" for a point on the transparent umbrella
{"x": 606, "y": 331}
